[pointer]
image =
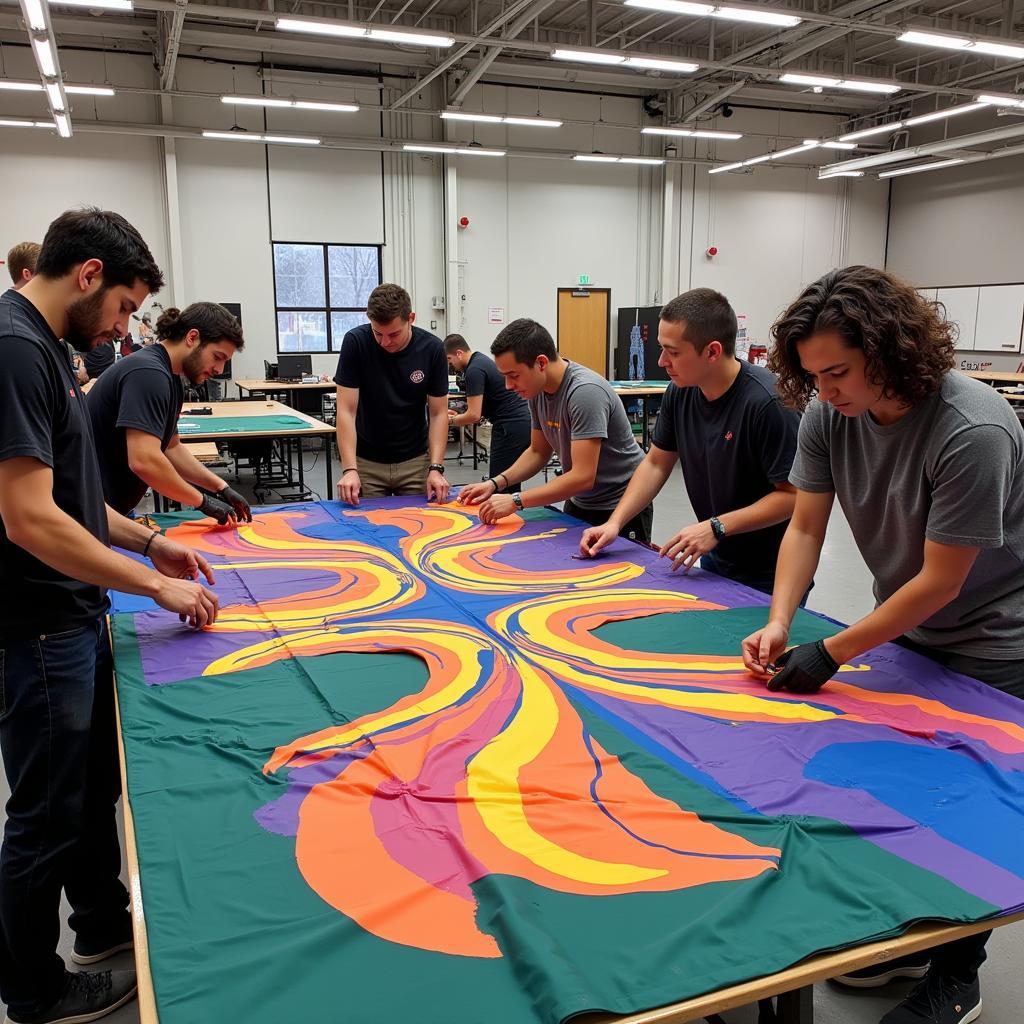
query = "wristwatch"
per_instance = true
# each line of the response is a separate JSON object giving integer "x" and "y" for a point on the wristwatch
{"x": 436, "y": 467}
{"x": 717, "y": 527}
{"x": 517, "y": 500}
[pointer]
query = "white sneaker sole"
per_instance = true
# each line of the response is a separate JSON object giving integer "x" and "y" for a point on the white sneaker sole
{"x": 878, "y": 980}
{"x": 95, "y": 958}
{"x": 84, "y": 1018}
{"x": 972, "y": 1014}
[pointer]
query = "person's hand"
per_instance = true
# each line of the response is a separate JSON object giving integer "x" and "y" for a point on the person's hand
{"x": 216, "y": 509}
{"x": 496, "y": 507}
{"x": 804, "y": 669}
{"x": 192, "y": 601}
{"x": 476, "y": 493}
{"x": 688, "y": 545}
{"x": 243, "y": 512}
{"x": 437, "y": 487}
{"x": 596, "y": 538}
{"x": 177, "y": 561}
{"x": 763, "y": 648}
{"x": 451, "y": 415}
{"x": 350, "y": 486}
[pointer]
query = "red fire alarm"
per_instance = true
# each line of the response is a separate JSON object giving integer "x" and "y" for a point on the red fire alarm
{"x": 712, "y": 251}
{"x": 463, "y": 222}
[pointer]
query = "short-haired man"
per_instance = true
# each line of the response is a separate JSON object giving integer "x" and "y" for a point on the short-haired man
{"x": 723, "y": 420}
{"x": 486, "y": 395}
{"x": 21, "y": 263}
{"x": 575, "y": 413}
{"x": 57, "y": 731}
{"x": 392, "y": 404}
{"x": 135, "y": 407}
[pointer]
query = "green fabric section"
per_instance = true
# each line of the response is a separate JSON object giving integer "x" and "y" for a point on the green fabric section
{"x": 196, "y": 426}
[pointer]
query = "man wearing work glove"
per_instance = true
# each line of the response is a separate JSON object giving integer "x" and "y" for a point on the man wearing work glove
{"x": 135, "y": 406}
{"x": 803, "y": 669}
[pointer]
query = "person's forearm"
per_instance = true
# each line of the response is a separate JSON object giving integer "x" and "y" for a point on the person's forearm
{"x": 464, "y": 419}
{"x": 646, "y": 482}
{"x": 775, "y": 507}
{"x": 798, "y": 560}
{"x": 438, "y": 436}
{"x": 347, "y": 438}
{"x": 529, "y": 464}
{"x": 192, "y": 470}
{"x": 917, "y": 600}
{"x": 558, "y": 488}
{"x": 156, "y": 470}
{"x": 126, "y": 533}
{"x": 60, "y": 542}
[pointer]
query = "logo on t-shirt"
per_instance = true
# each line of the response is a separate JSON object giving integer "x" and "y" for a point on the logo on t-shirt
{"x": 555, "y": 424}
{"x": 417, "y": 376}
{"x": 728, "y": 435}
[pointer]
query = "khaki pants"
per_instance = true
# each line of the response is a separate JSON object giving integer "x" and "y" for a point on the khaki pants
{"x": 380, "y": 479}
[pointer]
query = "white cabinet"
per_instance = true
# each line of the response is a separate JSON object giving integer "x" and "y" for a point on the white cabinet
{"x": 1000, "y": 318}
{"x": 962, "y": 308}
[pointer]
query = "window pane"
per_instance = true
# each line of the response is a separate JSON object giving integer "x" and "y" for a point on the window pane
{"x": 302, "y": 332}
{"x": 299, "y": 275}
{"x": 341, "y": 324}
{"x": 354, "y": 272}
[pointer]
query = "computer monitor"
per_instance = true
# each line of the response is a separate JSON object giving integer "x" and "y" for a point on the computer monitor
{"x": 294, "y": 367}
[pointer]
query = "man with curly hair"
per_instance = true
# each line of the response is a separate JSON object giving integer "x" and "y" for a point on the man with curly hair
{"x": 928, "y": 466}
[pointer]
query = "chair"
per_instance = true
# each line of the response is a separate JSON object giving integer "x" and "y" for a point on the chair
{"x": 269, "y": 370}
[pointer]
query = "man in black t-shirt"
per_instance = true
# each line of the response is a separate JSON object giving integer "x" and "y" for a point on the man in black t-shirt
{"x": 391, "y": 377}
{"x": 57, "y": 730}
{"x": 734, "y": 439}
{"x": 486, "y": 395}
{"x": 134, "y": 410}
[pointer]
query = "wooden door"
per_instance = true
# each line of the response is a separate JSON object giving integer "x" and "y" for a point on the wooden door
{"x": 584, "y": 326}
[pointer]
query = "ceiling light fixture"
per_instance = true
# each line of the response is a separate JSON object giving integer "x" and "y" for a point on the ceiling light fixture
{"x": 63, "y": 125}
{"x": 1002, "y": 101}
{"x": 595, "y": 158}
{"x": 532, "y": 122}
{"x": 821, "y": 81}
{"x": 10, "y": 122}
{"x": 105, "y": 5}
{"x": 45, "y": 58}
{"x": 589, "y": 56}
{"x": 830, "y": 143}
{"x": 990, "y": 47}
{"x": 646, "y": 161}
{"x": 418, "y": 147}
{"x": 938, "y": 115}
{"x": 756, "y": 17}
{"x": 21, "y": 86}
{"x": 280, "y": 101}
{"x": 793, "y": 150}
{"x": 920, "y": 167}
{"x": 674, "y": 7}
{"x": 866, "y": 133}
{"x": 757, "y": 159}
{"x": 335, "y": 28}
{"x": 759, "y": 16}
{"x": 34, "y": 14}
{"x": 297, "y": 140}
{"x": 845, "y": 174}
{"x": 526, "y": 122}
{"x": 54, "y": 95}
{"x": 89, "y": 90}
{"x": 693, "y": 133}
{"x": 725, "y": 167}
{"x": 662, "y": 64}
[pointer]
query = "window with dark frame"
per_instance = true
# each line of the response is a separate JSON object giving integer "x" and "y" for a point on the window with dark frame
{"x": 320, "y": 292}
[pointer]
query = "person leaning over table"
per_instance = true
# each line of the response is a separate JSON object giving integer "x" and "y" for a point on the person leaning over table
{"x": 928, "y": 466}
{"x": 134, "y": 408}
{"x": 392, "y": 382}
{"x": 57, "y": 730}
{"x": 575, "y": 413}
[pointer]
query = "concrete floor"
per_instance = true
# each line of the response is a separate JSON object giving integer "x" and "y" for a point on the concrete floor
{"x": 842, "y": 591}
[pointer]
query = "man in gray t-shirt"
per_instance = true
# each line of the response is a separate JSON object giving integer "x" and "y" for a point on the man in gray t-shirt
{"x": 928, "y": 466}
{"x": 574, "y": 413}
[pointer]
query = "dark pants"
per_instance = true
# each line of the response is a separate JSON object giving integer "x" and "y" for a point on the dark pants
{"x": 963, "y": 957}
{"x": 508, "y": 442}
{"x": 59, "y": 745}
{"x": 764, "y": 582}
{"x": 638, "y": 528}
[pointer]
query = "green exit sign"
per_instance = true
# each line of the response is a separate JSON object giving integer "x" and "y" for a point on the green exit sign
{"x": 584, "y": 279}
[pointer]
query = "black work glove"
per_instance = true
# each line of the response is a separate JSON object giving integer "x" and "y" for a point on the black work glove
{"x": 803, "y": 669}
{"x": 243, "y": 513}
{"x": 214, "y": 508}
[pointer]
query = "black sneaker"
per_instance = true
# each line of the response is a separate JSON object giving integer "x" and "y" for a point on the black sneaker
{"x": 89, "y": 995}
{"x": 86, "y": 952}
{"x": 915, "y": 965}
{"x": 938, "y": 999}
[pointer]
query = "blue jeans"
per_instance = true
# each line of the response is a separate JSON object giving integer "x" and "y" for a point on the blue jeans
{"x": 59, "y": 745}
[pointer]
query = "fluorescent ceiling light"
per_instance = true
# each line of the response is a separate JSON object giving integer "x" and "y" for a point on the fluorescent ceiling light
{"x": 53, "y": 94}
{"x": 89, "y": 90}
{"x": 938, "y": 115}
{"x": 885, "y": 88}
{"x": 991, "y": 47}
{"x": 45, "y": 58}
{"x": 757, "y": 159}
{"x": 673, "y": 7}
{"x": 700, "y": 133}
{"x": 458, "y": 115}
{"x": 795, "y": 79}
{"x": 533, "y": 122}
{"x": 794, "y": 149}
{"x": 254, "y": 137}
{"x": 758, "y": 17}
{"x": 595, "y": 158}
{"x": 821, "y": 81}
{"x": 646, "y": 161}
{"x": 410, "y": 147}
{"x": 11, "y": 123}
{"x": 830, "y": 144}
{"x": 33, "y": 11}
{"x": 342, "y": 108}
{"x": 693, "y": 133}
{"x": 63, "y": 125}
{"x": 383, "y": 35}
{"x": 866, "y": 133}
{"x": 279, "y": 101}
{"x": 996, "y": 101}
{"x": 255, "y": 101}
{"x": 842, "y": 174}
{"x": 297, "y": 140}
{"x": 106, "y": 5}
{"x": 416, "y": 147}
{"x": 725, "y": 167}
{"x": 661, "y": 64}
{"x": 387, "y": 35}
{"x": 918, "y": 168}
{"x": 21, "y": 86}
{"x": 478, "y": 151}
{"x": 589, "y": 56}
{"x": 322, "y": 28}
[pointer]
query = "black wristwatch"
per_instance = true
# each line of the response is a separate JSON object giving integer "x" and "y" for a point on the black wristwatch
{"x": 436, "y": 467}
{"x": 717, "y": 527}
{"x": 517, "y": 500}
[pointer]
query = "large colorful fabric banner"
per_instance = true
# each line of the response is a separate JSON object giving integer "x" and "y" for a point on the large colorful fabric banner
{"x": 427, "y": 770}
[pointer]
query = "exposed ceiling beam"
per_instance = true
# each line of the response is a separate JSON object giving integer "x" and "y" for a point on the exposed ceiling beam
{"x": 170, "y": 56}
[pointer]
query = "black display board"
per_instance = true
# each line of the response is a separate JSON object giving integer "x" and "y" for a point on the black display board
{"x": 638, "y": 330}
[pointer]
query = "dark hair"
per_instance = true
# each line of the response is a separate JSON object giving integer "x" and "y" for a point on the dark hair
{"x": 908, "y": 344}
{"x": 22, "y": 256}
{"x": 213, "y": 322}
{"x": 455, "y": 343}
{"x": 708, "y": 317}
{"x": 94, "y": 234}
{"x": 388, "y": 301}
{"x": 525, "y": 339}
